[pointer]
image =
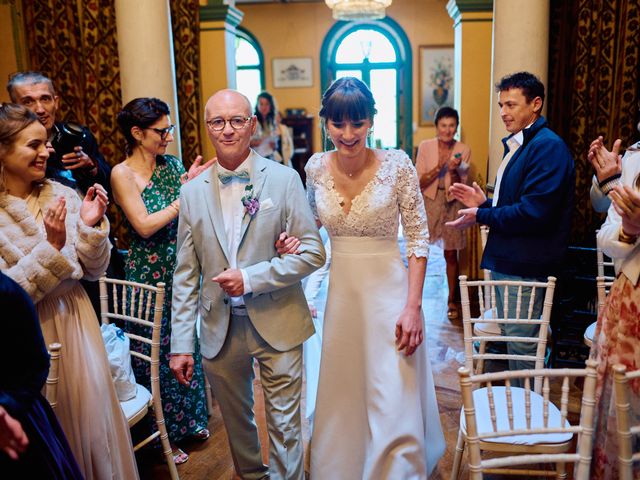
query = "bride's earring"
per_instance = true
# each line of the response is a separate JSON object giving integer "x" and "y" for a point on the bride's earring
{"x": 370, "y": 138}
{"x": 328, "y": 143}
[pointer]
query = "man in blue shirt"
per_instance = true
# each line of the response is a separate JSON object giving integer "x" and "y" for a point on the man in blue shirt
{"x": 529, "y": 215}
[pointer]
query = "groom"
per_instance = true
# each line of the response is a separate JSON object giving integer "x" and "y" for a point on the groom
{"x": 250, "y": 300}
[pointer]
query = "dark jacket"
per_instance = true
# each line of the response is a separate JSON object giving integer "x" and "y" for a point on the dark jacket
{"x": 530, "y": 226}
{"x": 24, "y": 365}
{"x": 81, "y": 179}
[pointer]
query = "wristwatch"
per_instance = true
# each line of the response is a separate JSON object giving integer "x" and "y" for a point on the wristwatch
{"x": 625, "y": 238}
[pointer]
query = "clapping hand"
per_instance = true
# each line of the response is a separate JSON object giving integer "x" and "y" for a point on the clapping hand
{"x": 54, "y": 225}
{"x": 409, "y": 331}
{"x": 605, "y": 163}
{"x": 626, "y": 202}
{"x": 94, "y": 205}
{"x": 196, "y": 169}
{"x": 469, "y": 196}
{"x": 467, "y": 218}
{"x": 454, "y": 162}
{"x": 286, "y": 244}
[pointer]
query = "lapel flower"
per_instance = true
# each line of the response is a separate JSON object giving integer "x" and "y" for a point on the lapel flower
{"x": 250, "y": 202}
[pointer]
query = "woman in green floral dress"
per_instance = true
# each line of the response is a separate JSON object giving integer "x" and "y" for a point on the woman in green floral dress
{"x": 146, "y": 186}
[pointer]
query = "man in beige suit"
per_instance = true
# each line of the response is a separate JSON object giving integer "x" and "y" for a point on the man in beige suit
{"x": 249, "y": 298}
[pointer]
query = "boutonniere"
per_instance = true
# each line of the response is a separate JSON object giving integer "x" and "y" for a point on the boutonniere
{"x": 250, "y": 202}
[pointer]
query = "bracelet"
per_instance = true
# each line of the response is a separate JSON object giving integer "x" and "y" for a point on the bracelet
{"x": 608, "y": 183}
{"x": 626, "y": 238}
{"x": 174, "y": 206}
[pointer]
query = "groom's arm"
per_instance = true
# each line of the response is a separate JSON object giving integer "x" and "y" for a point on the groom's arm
{"x": 186, "y": 282}
{"x": 283, "y": 271}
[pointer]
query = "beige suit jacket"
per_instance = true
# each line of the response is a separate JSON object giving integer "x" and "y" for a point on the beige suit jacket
{"x": 277, "y": 306}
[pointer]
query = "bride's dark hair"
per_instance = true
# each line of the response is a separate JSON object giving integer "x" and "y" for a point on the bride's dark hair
{"x": 348, "y": 98}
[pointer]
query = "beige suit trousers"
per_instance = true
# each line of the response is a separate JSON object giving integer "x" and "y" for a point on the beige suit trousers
{"x": 231, "y": 377}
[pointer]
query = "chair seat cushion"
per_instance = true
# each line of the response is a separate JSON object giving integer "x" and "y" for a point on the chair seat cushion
{"x": 589, "y": 333}
{"x": 483, "y": 417}
{"x": 483, "y": 329}
{"x": 137, "y": 404}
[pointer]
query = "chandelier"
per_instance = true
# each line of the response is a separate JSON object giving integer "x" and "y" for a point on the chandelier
{"x": 358, "y": 9}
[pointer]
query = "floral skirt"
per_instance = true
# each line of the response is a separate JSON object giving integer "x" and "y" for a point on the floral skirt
{"x": 617, "y": 340}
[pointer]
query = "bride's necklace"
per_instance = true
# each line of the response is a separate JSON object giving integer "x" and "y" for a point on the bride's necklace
{"x": 355, "y": 172}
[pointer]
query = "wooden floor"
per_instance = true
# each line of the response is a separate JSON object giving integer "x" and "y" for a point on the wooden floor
{"x": 212, "y": 459}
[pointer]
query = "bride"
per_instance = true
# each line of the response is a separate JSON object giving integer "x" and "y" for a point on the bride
{"x": 376, "y": 413}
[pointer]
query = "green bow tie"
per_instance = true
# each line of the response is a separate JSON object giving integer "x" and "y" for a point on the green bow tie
{"x": 226, "y": 177}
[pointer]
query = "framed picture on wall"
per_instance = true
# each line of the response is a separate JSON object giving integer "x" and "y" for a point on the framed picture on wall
{"x": 435, "y": 80}
{"x": 292, "y": 72}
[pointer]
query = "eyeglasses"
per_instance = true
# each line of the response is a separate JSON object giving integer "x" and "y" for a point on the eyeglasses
{"x": 218, "y": 124}
{"x": 163, "y": 132}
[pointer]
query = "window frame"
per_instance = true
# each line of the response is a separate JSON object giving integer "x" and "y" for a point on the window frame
{"x": 403, "y": 66}
{"x": 246, "y": 35}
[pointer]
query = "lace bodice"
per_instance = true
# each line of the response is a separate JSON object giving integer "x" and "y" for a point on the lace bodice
{"x": 392, "y": 194}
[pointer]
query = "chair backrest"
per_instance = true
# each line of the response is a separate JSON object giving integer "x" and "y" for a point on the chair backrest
{"x": 605, "y": 266}
{"x": 484, "y": 235}
{"x": 521, "y": 314}
{"x": 125, "y": 302}
{"x": 603, "y": 285}
{"x": 519, "y": 422}
{"x": 626, "y": 431}
{"x": 133, "y": 302}
{"x": 51, "y": 388}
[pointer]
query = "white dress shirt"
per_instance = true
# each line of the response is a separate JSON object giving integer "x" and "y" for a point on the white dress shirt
{"x": 233, "y": 212}
{"x": 513, "y": 143}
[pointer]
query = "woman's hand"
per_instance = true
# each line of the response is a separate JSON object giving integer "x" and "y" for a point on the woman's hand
{"x": 441, "y": 163}
{"x": 454, "y": 162}
{"x": 626, "y": 201}
{"x": 286, "y": 244}
{"x": 94, "y": 205}
{"x": 409, "y": 330}
{"x": 196, "y": 169}
{"x": 54, "y": 224}
{"x": 605, "y": 163}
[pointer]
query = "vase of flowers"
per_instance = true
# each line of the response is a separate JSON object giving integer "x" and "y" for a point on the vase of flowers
{"x": 441, "y": 80}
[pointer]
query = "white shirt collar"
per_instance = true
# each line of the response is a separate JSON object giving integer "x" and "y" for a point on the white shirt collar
{"x": 519, "y": 137}
{"x": 245, "y": 165}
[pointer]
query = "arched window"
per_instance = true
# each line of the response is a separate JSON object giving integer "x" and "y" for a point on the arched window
{"x": 249, "y": 65}
{"x": 379, "y": 54}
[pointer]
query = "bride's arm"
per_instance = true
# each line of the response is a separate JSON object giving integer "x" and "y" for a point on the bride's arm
{"x": 410, "y": 325}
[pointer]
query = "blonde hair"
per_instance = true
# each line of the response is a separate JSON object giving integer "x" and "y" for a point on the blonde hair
{"x": 13, "y": 119}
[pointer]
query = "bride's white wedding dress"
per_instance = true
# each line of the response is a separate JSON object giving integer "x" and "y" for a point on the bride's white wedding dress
{"x": 376, "y": 412}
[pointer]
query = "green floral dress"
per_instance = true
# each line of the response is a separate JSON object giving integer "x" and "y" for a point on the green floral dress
{"x": 152, "y": 260}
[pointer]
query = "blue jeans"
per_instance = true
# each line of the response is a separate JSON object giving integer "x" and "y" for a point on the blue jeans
{"x": 520, "y": 348}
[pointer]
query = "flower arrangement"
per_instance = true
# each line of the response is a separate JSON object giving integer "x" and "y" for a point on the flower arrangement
{"x": 250, "y": 202}
{"x": 441, "y": 74}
